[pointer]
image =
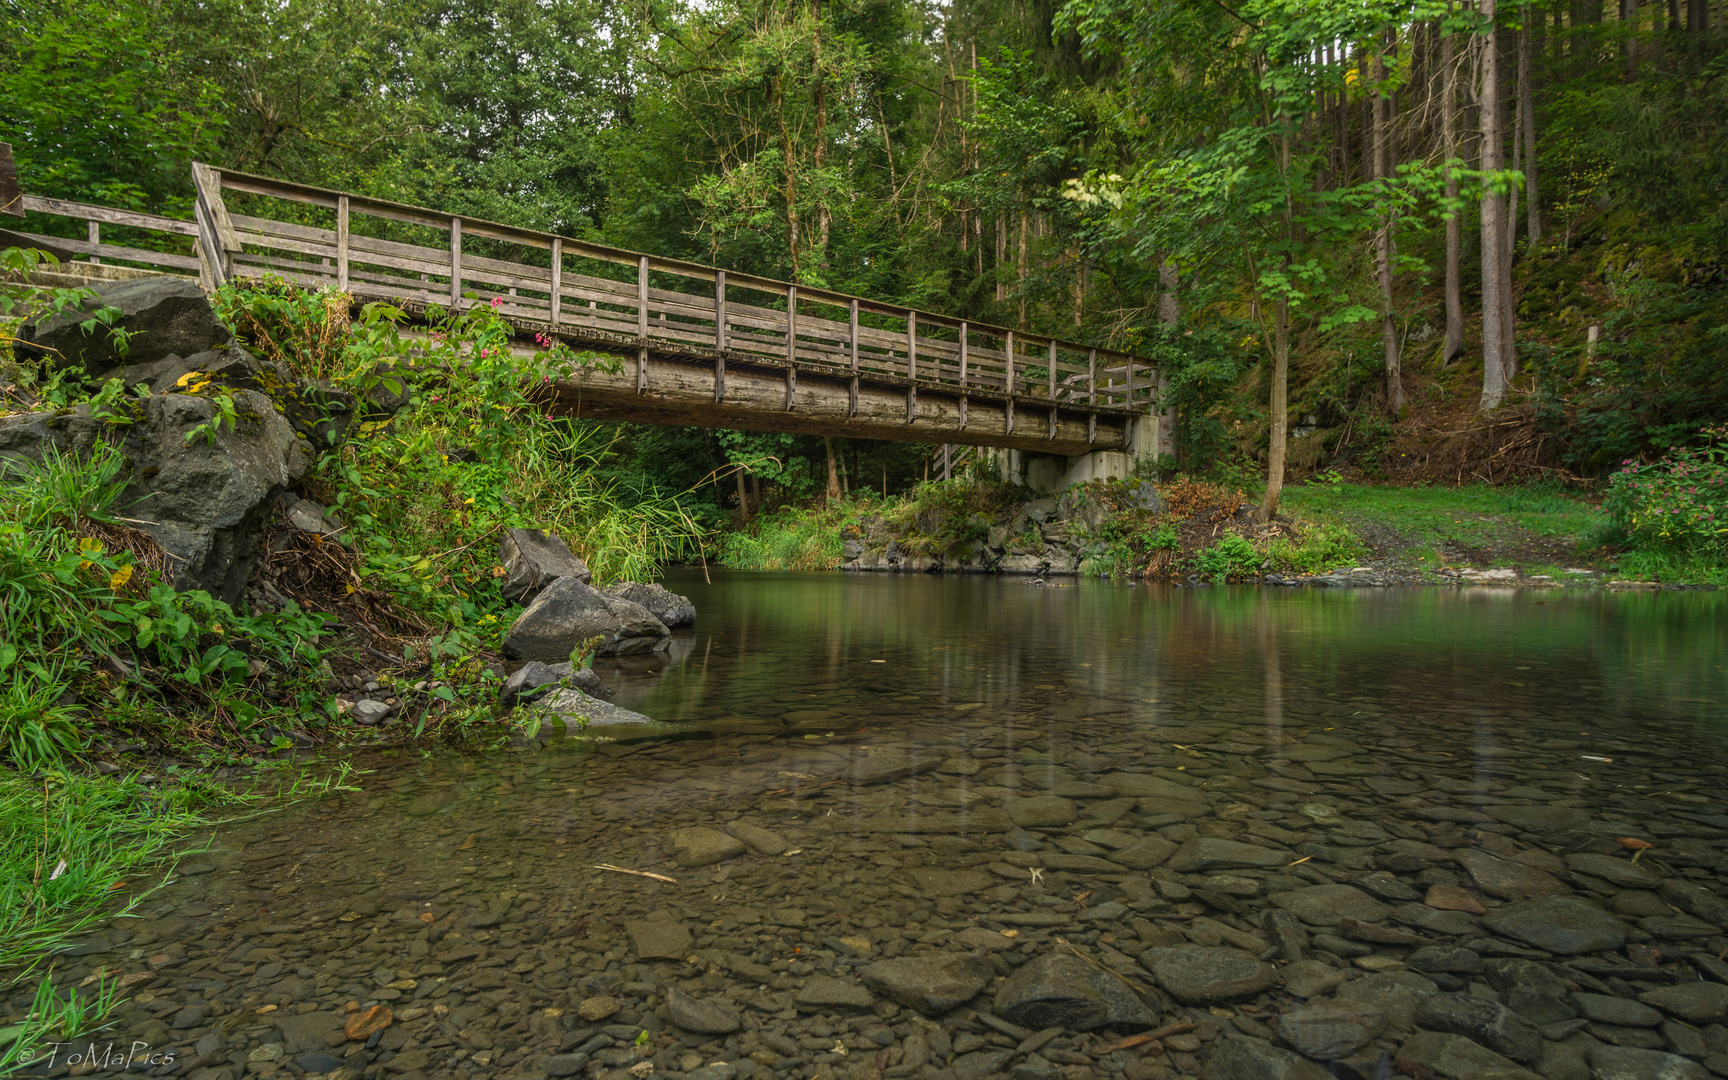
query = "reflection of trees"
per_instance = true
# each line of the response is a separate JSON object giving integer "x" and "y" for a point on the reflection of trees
{"x": 767, "y": 643}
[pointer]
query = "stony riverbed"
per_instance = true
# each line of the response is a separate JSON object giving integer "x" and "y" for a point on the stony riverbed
{"x": 1365, "y": 892}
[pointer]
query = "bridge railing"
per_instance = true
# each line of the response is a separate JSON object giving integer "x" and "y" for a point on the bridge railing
{"x": 567, "y": 286}
{"x": 97, "y": 250}
{"x": 377, "y": 249}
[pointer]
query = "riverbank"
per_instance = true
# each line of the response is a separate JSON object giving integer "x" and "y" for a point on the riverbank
{"x": 1192, "y": 531}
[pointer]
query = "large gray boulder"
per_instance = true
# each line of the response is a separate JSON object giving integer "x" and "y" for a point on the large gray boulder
{"x": 667, "y": 606}
{"x": 205, "y": 500}
{"x": 567, "y": 613}
{"x": 533, "y": 559}
{"x": 534, "y": 680}
{"x": 165, "y": 316}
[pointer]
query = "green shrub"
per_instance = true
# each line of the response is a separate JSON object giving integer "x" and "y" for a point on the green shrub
{"x": 1678, "y": 504}
{"x": 792, "y": 538}
{"x": 1318, "y": 548}
{"x": 1232, "y": 556}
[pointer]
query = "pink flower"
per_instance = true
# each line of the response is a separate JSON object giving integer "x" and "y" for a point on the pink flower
{"x": 497, "y": 302}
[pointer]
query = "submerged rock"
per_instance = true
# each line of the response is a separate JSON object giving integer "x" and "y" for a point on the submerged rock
{"x": 1202, "y": 976}
{"x": 932, "y": 984}
{"x": 578, "y": 709}
{"x": 1061, "y": 990}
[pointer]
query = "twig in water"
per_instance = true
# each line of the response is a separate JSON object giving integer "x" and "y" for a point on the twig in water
{"x": 1132, "y": 1041}
{"x": 637, "y": 873}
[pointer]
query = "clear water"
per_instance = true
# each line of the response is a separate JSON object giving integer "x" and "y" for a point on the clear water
{"x": 462, "y": 892}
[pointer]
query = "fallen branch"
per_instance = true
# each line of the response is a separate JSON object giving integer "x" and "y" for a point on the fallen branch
{"x": 636, "y": 873}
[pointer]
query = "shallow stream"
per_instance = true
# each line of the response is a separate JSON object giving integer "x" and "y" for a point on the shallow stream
{"x": 963, "y": 827}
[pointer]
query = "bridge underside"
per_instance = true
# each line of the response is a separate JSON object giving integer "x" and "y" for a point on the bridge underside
{"x": 699, "y": 391}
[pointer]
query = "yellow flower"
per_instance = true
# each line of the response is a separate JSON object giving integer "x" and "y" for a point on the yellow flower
{"x": 119, "y": 578}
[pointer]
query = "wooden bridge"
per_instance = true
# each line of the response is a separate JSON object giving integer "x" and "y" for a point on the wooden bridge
{"x": 703, "y": 346}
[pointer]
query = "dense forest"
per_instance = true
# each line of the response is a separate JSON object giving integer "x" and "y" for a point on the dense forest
{"x": 1345, "y": 231}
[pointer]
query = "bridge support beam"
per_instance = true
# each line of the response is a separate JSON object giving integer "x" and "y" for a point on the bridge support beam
{"x": 1050, "y": 473}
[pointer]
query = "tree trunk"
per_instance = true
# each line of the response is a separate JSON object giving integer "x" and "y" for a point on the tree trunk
{"x": 1280, "y": 409}
{"x": 1493, "y": 218}
{"x": 1528, "y": 57}
{"x": 1383, "y": 248}
{"x": 790, "y": 191}
{"x": 824, "y": 219}
{"x": 833, "y": 491}
{"x": 1629, "y": 15}
{"x": 1020, "y": 266}
{"x": 1169, "y": 313}
{"x": 743, "y": 499}
{"x": 1454, "y": 349}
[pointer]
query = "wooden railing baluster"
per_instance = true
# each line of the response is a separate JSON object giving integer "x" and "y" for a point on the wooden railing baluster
{"x": 962, "y": 374}
{"x": 911, "y": 366}
{"x": 719, "y": 336}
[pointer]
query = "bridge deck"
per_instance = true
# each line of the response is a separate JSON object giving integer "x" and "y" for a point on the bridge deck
{"x": 705, "y": 346}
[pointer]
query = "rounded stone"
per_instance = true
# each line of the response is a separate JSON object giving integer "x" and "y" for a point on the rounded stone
{"x": 1062, "y": 990}
{"x": 1329, "y": 1030}
{"x": 1564, "y": 925}
{"x": 1201, "y": 976}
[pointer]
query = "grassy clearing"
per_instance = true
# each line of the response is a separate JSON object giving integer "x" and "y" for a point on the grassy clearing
{"x": 1477, "y": 523}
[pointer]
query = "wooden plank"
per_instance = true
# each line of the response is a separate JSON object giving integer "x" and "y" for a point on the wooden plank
{"x": 456, "y": 264}
{"x": 36, "y": 204}
{"x": 791, "y": 347}
{"x": 911, "y": 366}
{"x": 852, "y": 358}
{"x": 342, "y": 244}
{"x": 11, "y": 196}
{"x": 209, "y": 184}
{"x": 557, "y": 278}
{"x": 642, "y": 324}
{"x": 720, "y": 337}
{"x": 59, "y": 244}
{"x": 963, "y": 359}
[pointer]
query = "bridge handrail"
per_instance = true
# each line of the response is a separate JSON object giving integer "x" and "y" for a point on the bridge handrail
{"x": 934, "y": 351}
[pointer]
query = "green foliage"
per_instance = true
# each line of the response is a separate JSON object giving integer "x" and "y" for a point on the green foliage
{"x": 98, "y": 108}
{"x": 74, "y": 610}
{"x": 473, "y": 452}
{"x": 790, "y": 539}
{"x": 1232, "y": 556}
{"x": 1677, "y": 504}
{"x": 20, "y": 301}
{"x": 1317, "y": 549}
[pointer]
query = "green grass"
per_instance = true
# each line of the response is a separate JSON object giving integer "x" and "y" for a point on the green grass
{"x": 792, "y": 538}
{"x": 1475, "y": 516}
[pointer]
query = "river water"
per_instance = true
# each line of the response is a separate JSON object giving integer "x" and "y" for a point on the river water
{"x": 964, "y": 827}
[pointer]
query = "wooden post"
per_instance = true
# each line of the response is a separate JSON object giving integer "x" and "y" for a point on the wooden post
{"x": 719, "y": 336}
{"x": 947, "y": 470}
{"x": 557, "y": 279}
{"x": 94, "y": 232}
{"x": 1129, "y": 362}
{"x": 852, "y": 348}
{"x": 911, "y": 366}
{"x": 456, "y": 264}
{"x": 791, "y": 347}
{"x": 342, "y": 249}
{"x": 1052, "y": 381}
{"x": 1092, "y": 394}
{"x": 642, "y": 325}
{"x": 962, "y": 375}
{"x": 217, "y": 240}
{"x": 1008, "y": 380}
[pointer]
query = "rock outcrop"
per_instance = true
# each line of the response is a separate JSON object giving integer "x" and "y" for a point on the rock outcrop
{"x": 566, "y": 613}
{"x": 203, "y": 474}
{"x": 533, "y": 559}
{"x": 667, "y": 606}
{"x": 163, "y": 316}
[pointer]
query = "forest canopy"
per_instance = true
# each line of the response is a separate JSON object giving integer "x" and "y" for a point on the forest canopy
{"x": 1342, "y": 230}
